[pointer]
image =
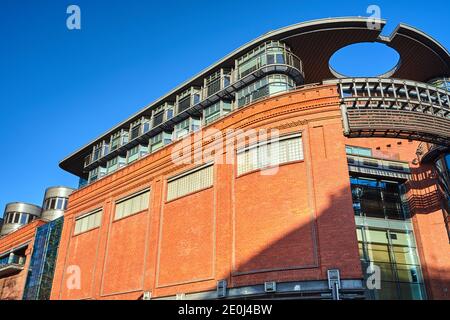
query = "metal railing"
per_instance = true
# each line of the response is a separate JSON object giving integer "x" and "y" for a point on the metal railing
{"x": 394, "y": 108}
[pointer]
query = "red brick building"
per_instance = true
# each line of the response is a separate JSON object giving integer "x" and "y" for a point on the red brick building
{"x": 353, "y": 185}
{"x": 17, "y": 248}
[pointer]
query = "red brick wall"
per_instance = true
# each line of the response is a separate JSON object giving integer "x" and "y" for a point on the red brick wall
{"x": 12, "y": 287}
{"x": 289, "y": 227}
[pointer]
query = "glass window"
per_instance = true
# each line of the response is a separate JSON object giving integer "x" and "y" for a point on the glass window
{"x": 88, "y": 222}
{"x": 394, "y": 253}
{"x": 60, "y": 204}
{"x": 265, "y": 87}
{"x": 133, "y": 154}
{"x": 358, "y": 151}
{"x": 264, "y": 155}
{"x": 132, "y": 205}
{"x": 378, "y": 199}
{"x": 24, "y": 218}
{"x": 190, "y": 182}
{"x": 52, "y": 203}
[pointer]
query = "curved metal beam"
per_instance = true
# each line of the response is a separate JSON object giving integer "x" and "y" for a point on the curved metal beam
{"x": 374, "y": 107}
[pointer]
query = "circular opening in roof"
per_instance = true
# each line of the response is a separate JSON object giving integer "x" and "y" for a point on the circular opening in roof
{"x": 364, "y": 60}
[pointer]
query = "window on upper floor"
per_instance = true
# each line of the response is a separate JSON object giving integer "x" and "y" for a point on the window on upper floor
{"x": 358, "y": 151}
{"x": 217, "y": 110}
{"x": 265, "y": 87}
{"x": 186, "y": 126}
{"x": 132, "y": 204}
{"x": 88, "y": 221}
{"x": 270, "y": 153}
{"x": 160, "y": 140}
{"x": 189, "y": 182}
{"x": 55, "y": 203}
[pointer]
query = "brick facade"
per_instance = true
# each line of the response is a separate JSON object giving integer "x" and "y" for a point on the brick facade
{"x": 247, "y": 229}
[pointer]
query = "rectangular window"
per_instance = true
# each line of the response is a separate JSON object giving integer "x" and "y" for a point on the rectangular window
{"x": 186, "y": 126}
{"x": 197, "y": 179}
{"x": 160, "y": 140}
{"x": 132, "y": 204}
{"x": 358, "y": 151}
{"x": 216, "y": 110}
{"x": 272, "y": 153}
{"x": 88, "y": 221}
{"x": 133, "y": 154}
{"x": 113, "y": 164}
{"x": 24, "y": 218}
{"x": 60, "y": 204}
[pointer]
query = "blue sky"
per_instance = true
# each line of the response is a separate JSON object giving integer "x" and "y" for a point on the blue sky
{"x": 59, "y": 89}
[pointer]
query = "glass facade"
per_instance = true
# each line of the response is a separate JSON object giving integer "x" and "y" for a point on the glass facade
{"x": 217, "y": 110}
{"x": 160, "y": 140}
{"x": 386, "y": 239}
{"x": 266, "y": 70}
{"x": 185, "y": 127}
{"x": 394, "y": 252}
{"x": 216, "y": 82}
{"x": 269, "y": 53}
{"x": 263, "y": 88}
{"x": 116, "y": 163}
{"x": 136, "y": 152}
{"x": 188, "y": 99}
{"x": 443, "y": 169}
{"x": 378, "y": 198}
{"x": 43, "y": 260}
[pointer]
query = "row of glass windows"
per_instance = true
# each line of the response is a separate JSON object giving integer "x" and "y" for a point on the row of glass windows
{"x": 286, "y": 150}
{"x": 124, "y": 207}
{"x": 18, "y": 217}
{"x": 12, "y": 259}
{"x": 264, "y": 155}
{"x": 263, "y": 88}
{"x": 55, "y": 203}
{"x": 272, "y": 52}
{"x": 267, "y": 86}
{"x": 378, "y": 198}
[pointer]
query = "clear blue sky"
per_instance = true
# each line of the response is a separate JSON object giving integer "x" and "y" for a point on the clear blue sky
{"x": 59, "y": 89}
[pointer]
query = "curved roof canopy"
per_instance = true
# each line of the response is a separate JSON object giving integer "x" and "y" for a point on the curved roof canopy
{"x": 421, "y": 59}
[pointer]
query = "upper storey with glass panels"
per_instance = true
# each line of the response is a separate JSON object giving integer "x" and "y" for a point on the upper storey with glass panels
{"x": 269, "y": 69}
{"x": 275, "y": 62}
{"x": 18, "y": 214}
